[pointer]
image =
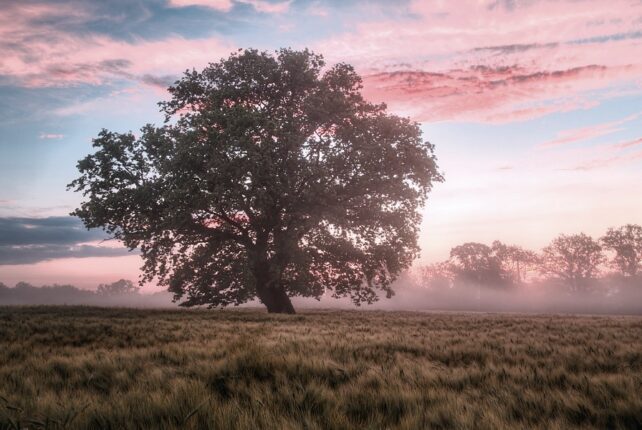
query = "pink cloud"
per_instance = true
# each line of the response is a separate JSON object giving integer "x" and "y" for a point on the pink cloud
{"x": 316, "y": 9}
{"x": 69, "y": 60}
{"x": 492, "y": 94}
{"x": 479, "y": 61}
{"x": 586, "y": 133}
{"x": 628, "y": 144}
{"x": 43, "y": 56}
{"x": 603, "y": 162}
{"x": 484, "y": 62}
{"x": 222, "y": 5}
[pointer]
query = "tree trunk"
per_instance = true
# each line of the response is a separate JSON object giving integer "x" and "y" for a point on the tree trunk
{"x": 277, "y": 301}
{"x": 270, "y": 293}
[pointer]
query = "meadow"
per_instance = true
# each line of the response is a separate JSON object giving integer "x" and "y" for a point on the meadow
{"x": 111, "y": 368}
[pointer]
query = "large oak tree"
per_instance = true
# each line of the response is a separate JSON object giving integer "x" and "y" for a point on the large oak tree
{"x": 272, "y": 177}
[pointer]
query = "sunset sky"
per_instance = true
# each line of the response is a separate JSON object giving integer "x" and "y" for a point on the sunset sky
{"x": 534, "y": 106}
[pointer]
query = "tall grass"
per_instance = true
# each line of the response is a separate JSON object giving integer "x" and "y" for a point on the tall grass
{"x": 80, "y": 367}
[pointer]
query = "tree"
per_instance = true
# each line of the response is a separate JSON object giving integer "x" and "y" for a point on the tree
{"x": 626, "y": 243}
{"x": 437, "y": 276}
{"x": 573, "y": 259}
{"x": 514, "y": 260}
{"x": 272, "y": 177}
{"x": 117, "y": 288}
{"x": 476, "y": 263}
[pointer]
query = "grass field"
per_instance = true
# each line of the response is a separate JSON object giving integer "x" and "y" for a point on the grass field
{"x": 75, "y": 367}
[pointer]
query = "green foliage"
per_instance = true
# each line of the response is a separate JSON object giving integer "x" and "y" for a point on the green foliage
{"x": 272, "y": 177}
{"x": 96, "y": 368}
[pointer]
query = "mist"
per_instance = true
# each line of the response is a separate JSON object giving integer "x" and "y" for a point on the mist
{"x": 617, "y": 298}
{"x": 24, "y": 294}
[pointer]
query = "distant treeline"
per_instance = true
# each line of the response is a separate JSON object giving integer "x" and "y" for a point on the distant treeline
{"x": 119, "y": 293}
{"x": 574, "y": 273}
{"x": 575, "y": 263}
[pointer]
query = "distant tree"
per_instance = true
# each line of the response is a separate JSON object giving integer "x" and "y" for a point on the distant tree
{"x": 24, "y": 293}
{"x": 271, "y": 178}
{"x": 573, "y": 259}
{"x": 514, "y": 260}
{"x": 438, "y": 276}
{"x": 476, "y": 263}
{"x": 117, "y": 288}
{"x": 626, "y": 243}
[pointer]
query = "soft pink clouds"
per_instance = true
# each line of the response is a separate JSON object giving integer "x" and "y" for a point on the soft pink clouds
{"x": 603, "y": 162}
{"x": 495, "y": 61}
{"x": 42, "y": 56}
{"x": 262, "y": 6}
{"x": 590, "y": 132}
{"x": 316, "y": 9}
{"x": 493, "y": 94}
{"x": 70, "y": 60}
{"x": 480, "y": 61}
{"x": 222, "y": 5}
{"x": 628, "y": 144}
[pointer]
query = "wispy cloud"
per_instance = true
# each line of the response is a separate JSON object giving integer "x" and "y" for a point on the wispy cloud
{"x": 425, "y": 59}
{"x": 55, "y": 136}
{"x": 492, "y": 94}
{"x": 495, "y": 61}
{"x": 586, "y": 133}
{"x": 38, "y": 53}
{"x": 12, "y": 255}
{"x": 628, "y": 144}
{"x": 604, "y": 162}
{"x": 263, "y": 6}
{"x": 222, "y": 5}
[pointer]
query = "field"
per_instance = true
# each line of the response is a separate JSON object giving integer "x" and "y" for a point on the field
{"x": 81, "y": 367}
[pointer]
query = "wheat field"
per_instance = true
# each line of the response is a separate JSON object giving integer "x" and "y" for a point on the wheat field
{"x": 102, "y": 368}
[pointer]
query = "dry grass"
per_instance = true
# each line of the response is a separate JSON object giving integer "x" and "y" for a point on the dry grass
{"x": 74, "y": 367}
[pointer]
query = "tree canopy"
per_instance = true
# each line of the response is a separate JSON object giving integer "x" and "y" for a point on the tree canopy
{"x": 120, "y": 287}
{"x": 476, "y": 263}
{"x": 272, "y": 177}
{"x": 574, "y": 259}
{"x": 626, "y": 244}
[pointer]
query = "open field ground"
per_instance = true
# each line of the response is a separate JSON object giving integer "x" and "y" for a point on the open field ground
{"x": 80, "y": 367}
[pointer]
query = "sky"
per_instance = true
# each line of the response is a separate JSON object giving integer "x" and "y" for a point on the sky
{"x": 534, "y": 106}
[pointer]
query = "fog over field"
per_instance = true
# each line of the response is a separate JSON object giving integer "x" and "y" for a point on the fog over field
{"x": 410, "y": 296}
